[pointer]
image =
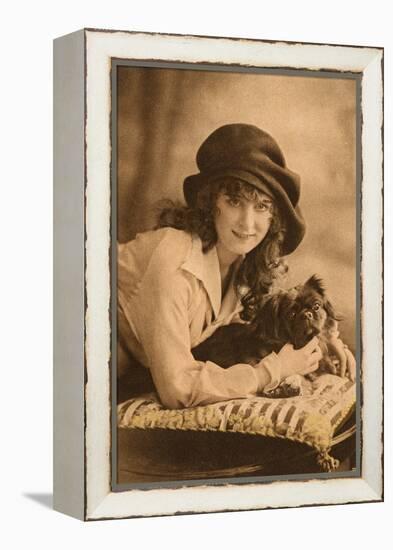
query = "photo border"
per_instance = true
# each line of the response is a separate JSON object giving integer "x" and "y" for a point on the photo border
{"x": 301, "y": 73}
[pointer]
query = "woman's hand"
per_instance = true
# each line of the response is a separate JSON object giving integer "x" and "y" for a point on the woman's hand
{"x": 300, "y": 361}
{"x": 344, "y": 355}
{"x": 347, "y": 361}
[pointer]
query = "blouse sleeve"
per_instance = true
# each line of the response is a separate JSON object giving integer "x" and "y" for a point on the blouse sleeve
{"x": 161, "y": 324}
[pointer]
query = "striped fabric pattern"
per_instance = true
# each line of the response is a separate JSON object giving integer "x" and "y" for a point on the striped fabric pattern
{"x": 310, "y": 418}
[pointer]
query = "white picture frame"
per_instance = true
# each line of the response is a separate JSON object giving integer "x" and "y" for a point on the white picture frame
{"x": 82, "y": 334}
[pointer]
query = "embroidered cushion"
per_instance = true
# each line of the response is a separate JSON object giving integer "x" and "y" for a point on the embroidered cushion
{"x": 311, "y": 418}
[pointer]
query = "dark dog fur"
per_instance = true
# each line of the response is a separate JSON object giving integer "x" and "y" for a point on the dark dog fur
{"x": 294, "y": 316}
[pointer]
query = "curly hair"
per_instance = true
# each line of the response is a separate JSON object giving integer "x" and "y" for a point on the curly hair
{"x": 261, "y": 266}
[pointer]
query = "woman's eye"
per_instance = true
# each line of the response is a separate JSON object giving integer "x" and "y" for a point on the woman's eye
{"x": 233, "y": 201}
{"x": 262, "y": 207}
{"x": 316, "y": 306}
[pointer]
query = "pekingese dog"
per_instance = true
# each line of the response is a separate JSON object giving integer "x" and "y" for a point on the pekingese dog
{"x": 294, "y": 316}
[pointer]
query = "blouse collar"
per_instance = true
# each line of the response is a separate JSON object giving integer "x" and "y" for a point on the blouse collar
{"x": 205, "y": 267}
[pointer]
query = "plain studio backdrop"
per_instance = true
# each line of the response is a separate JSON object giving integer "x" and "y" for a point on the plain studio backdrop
{"x": 26, "y": 115}
{"x": 165, "y": 114}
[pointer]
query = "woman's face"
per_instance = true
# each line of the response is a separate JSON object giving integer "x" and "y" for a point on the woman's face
{"x": 241, "y": 223}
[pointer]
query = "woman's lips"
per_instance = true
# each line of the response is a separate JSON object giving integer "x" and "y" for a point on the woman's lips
{"x": 243, "y": 236}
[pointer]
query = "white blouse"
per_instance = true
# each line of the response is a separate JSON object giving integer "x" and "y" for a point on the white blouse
{"x": 170, "y": 293}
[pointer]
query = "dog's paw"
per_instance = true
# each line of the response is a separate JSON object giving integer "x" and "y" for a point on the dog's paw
{"x": 290, "y": 387}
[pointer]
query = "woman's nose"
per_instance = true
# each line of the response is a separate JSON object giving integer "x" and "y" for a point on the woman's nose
{"x": 247, "y": 218}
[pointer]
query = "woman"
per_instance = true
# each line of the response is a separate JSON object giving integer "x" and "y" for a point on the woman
{"x": 206, "y": 265}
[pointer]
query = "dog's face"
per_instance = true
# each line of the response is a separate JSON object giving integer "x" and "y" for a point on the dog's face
{"x": 294, "y": 316}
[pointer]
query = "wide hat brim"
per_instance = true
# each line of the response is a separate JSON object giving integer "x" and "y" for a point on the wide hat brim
{"x": 289, "y": 209}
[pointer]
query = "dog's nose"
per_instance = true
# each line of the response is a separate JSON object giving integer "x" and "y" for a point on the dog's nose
{"x": 308, "y": 315}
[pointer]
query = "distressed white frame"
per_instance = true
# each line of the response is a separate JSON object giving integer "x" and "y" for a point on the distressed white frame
{"x": 101, "y": 46}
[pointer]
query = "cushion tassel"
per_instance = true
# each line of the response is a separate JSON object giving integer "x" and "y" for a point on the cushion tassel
{"x": 326, "y": 462}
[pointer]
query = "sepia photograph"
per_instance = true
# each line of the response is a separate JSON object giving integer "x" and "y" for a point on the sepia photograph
{"x": 236, "y": 304}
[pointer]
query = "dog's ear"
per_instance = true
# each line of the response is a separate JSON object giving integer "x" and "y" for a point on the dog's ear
{"x": 316, "y": 284}
{"x": 331, "y": 311}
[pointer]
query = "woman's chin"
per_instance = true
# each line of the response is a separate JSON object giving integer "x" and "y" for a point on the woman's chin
{"x": 243, "y": 246}
{"x": 244, "y": 249}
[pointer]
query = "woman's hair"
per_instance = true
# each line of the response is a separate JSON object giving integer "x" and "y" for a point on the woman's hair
{"x": 261, "y": 266}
